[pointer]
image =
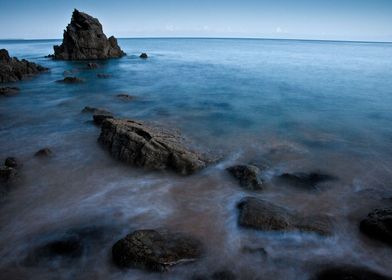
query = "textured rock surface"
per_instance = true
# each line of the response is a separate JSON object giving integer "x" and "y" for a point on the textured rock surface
{"x": 150, "y": 147}
{"x": 262, "y": 215}
{"x": 378, "y": 225}
{"x": 349, "y": 273}
{"x": 8, "y": 91}
{"x": 13, "y": 69}
{"x": 84, "y": 39}
{"x": 248, "y": 176}
{"x": 154, "y": 251}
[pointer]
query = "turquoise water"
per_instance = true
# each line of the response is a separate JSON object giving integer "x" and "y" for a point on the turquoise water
{"x": 288, "y": 105}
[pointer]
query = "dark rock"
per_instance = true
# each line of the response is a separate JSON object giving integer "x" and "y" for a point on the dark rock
{"x": 154, "y": 251}
{"x": 49, "y": 56}
{"x": 144, "y": 56}
{"x": 92, "y": 65}
{"x": 305, "y": 180}
{"x": 262, "y": 215}
{"x": 71, "y": 80}
{"x": 101, "y": 116}
{"x": 378, "y": 225}
{"x": 8, "y": 91}
{"x": 95, "y": 110}
{"x": 248, "y": 176}
{"x": 70, "y": 247}
{"x": 7, "y": 174}
{"x": 149, "y": 147}
{"x": 12, "y": 162}
{"x": 45, "y": 152}
{"x": 348, "y": 273}
{"x": 125, "y": 97}
{"x": 13, "y": 69}
{"x": 84, "y": 39}
{"x": 103, "y": 76}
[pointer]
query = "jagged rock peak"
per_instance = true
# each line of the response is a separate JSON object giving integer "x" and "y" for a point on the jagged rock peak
{"x": 84, "y": 39}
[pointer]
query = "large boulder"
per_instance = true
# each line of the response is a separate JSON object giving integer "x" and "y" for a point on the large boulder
{"x": 263, "y": 215}
{"x": 155, "y": 251}
{"x": 13, "y": 69}
{"x": 148, "y": 146}
{"x": 248, "y": 176}
{"x": 84, "y": 39}
{"x": 348, "y": 273}
{"x": 378, "y": 225}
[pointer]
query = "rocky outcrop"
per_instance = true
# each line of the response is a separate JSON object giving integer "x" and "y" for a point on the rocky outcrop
{"x": 84, "y": 39}
{"x": 8, "y": 91}
{"x": 378, "y": 225}
{"x": 155, "y": 251}
{"x": 103, "y": 76}
{"x": 348, "y": 273}
{"x": 248, "y": 176}
{"x": 263, "y": 215}
{"x": 149, "y": 147}
{"x": 99, "y": 117}
{"x": 13, "y": 69}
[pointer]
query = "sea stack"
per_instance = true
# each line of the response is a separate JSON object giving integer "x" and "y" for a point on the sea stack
{"x": 84, "y": 39}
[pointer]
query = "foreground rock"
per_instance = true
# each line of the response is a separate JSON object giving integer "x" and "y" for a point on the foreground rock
{"x": 154, "y": 251}
{"x": 71, "y": 80}
{"x": 13, "y": 69}
{"x": 262, "y": 215}
{"x": 8, "y": 91}
{"x": 305, "y": 180}
{"x": 149, "y": 147}
{"x": 378, "y": 225}
{"x": 349, "y": 273}
{"x": 45, "y": 152}
{"x": 248, "y": 176}
{"x": 143, "y": 56}
{"x": 84, "y": 39}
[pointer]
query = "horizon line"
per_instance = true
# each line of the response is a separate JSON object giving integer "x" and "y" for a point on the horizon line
{"x": 207, "y": 37}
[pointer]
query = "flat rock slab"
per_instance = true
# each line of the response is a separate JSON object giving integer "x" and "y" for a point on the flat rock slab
{"x": 149, "y": 147}
{"x": 378, "y": 225}
{"x": 13, "y": 69}
{"x": 155, "y": 251}
{"x": 247, "y": 176}
{"x": 263, "y": 215}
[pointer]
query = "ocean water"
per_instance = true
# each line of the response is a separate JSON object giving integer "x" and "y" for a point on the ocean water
{"x": 286, "y": 105}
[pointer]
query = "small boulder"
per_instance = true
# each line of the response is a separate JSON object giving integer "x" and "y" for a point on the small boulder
{"x": 45, "y": 152}
{"x": 125, "y": 97}
{"x": 8, "y": 91}
{"x": 12, "y": 162}
{"x": 348, "y": 273}
{"x": 71, "y": 80}
{"x": 378, "y": 225}
{"x": 305, "y": 180}
{"x": 266, "y": 216}
{"x": 248, "y": 176}
{"x": 155, "y": 251}
{"x": 143, "y": 56}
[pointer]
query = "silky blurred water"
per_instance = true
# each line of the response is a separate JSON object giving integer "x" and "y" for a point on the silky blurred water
{"x": 286, "y": 105}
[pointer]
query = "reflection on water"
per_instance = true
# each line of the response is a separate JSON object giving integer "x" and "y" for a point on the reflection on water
{"x": 287, "y": 106}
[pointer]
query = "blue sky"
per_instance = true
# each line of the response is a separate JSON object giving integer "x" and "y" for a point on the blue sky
{"x": 369, "y": 20}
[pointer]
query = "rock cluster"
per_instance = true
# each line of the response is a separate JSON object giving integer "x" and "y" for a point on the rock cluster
{"x": 149, "y": 147}
{"x": 84, "y": 39}
{"x": 13, "y": 69}
{"x": 155, "y": 251}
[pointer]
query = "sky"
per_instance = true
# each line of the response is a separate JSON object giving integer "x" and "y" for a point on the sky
{"x": 358, "y": 20}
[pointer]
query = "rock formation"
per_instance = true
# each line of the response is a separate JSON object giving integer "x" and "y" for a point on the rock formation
{"x": 13, "y": 69}
{"x": 84, "y": 39}
{"x": 248, "y": 176}
{"x": 147, "y": 146}
{"x": 378, "y": 225}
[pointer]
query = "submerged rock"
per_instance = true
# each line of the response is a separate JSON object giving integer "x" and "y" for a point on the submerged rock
{"x": 248, "y": 176}
{"x": 378, "y": 225}
{"x": 263, "y": 215}
{"x": 71, "y": 80}
{"x": 149, "y": 147}
{"x": 8, "y": 91}
{"x": 45, "y": 152}
{"x": 99, "y": 117}
{"x": 13, "y": 69}
{"x": 84, "y": 39}
{"x": 125, "y": 97}
{"x": 348, "y": 273}
{"x": 154, "y": 251}
{"x": 92, "y": 65}
{"x": 305, "y": 180}
{"x": 143, "y": 56}
{"x": 103, "y": 76}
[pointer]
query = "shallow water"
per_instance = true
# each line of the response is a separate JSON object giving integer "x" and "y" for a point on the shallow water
{"x": 287, "y": 105}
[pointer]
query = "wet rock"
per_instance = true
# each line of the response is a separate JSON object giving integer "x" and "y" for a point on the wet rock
{"x": 100, "y": 117}
{"x": 71, "y": 80}
{"x": 84, "y": 39}
{"x": 95, "y": 110}
{"x": 7, "y": 174}
{"x": 125, "y": 97}
{"x": 143, "y": 56}
{"x": 305, "y": 180}
{"x": 45, "y": 152}
{"x": 103, "y": 76}
{"x": 348, "y": 273}
{"x": 92, "y": 65}
{"x": 154, "y": 251}
{"x": 12, "y": 162}
{"x": 378, "y": 225}
{"x": 149, "y": 147}
{"x": 263, "y": 215}
{"x": 49, "y": 56}
{"x": 13, "y": 69}
{"x": 8, "y": 91}
{"x": 248, "y": 176}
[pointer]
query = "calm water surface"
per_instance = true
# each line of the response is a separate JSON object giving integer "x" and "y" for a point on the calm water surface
{"x": 289, "y": 106}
